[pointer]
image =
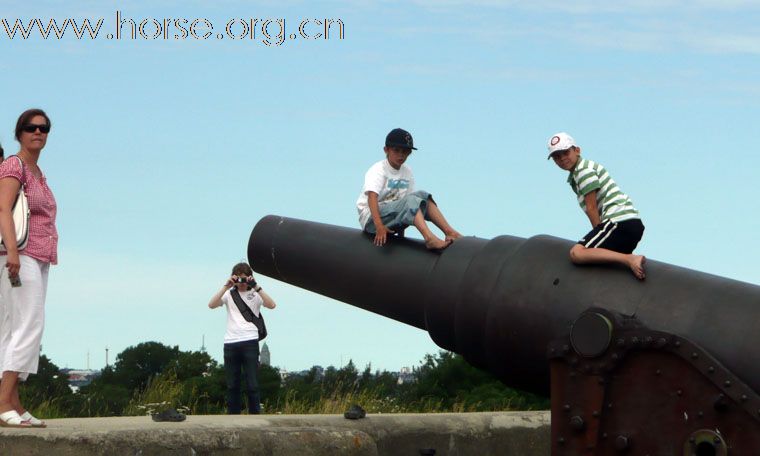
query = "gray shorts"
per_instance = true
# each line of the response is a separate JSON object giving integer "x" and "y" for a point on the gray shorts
{"x": 397, "y": 215}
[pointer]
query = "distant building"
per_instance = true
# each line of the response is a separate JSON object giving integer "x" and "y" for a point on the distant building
{"x": 405, "y": 375}
{"x": 265, "y": 356}
{"x": 80, "y": 377}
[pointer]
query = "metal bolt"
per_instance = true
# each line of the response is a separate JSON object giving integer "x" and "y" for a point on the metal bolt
{"x": 649, "y": 339}
{"x": 577, "y": 423}
{"x": 694, "y": 355}
{"x": 727, "y": 383}
{"x": 609, "y": 406}
{"x": 566, "y": 407}
{"x": 692, "y": 439}
{"x": 635, "y": 340}
{"x": 604, "y": 435}
{"x": 621, "y": 342}
{"x": 744, "y": 398}
{"x": 622, "y": 443}
{"x": 661, "y": 342}
{"x": 595, "y": 413}
{"x": 677, "y": 343}
{"x": 711, "y": 370}
{"x": 561, "y": 440}
{"x": 700, "y": 414}
{"x": 658, "y": 372}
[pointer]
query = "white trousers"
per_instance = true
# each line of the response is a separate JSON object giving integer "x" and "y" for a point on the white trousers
{"x": 22, "y": 316}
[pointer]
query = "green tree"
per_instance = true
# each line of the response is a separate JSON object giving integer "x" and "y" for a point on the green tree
{"x": 136, "y": 365}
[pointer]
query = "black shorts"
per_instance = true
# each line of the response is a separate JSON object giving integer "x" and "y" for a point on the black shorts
{"x": 621, "y": 237}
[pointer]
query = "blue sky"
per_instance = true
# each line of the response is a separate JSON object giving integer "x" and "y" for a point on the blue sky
{"x": 165, "y": 153}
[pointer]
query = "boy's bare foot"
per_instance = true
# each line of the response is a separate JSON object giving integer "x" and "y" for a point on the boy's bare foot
{"x": 453, "y": 235}
{"x": 636, "y": 264}
{"x": 437, "y": 244}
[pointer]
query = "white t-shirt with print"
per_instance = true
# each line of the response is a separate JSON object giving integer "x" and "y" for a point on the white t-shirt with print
{"x": 238, "y": 329}
{"x": 389, "y": 183}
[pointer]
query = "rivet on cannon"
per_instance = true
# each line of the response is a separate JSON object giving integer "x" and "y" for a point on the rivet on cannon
{"x": 694, "y": 355}
{"x": 622, "y": 443}
{"x": 720, "y": 403}
{"x": 744, "y": 398}
{"x": 727, "y": 383}
{"x": 661, "y": 342}
{"x": 621, "y": 342}
{"x": 658, "y": 372}
{"x": 595, "y": 414}
{"x": 711, "y": 369}
{"x": 577, "y": 423}
{"x": 566, "y": 407}
{"x": 677, "y": 343}
{"x": 561, "y": 440}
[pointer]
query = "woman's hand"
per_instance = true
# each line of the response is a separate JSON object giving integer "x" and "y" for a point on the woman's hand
{"x": 13, "y": 264}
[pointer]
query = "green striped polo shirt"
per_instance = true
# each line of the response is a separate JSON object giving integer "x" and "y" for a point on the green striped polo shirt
{"x": 613, "y": 204}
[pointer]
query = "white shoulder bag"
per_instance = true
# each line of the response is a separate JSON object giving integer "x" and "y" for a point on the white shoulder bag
{"x": 20, "y": 213}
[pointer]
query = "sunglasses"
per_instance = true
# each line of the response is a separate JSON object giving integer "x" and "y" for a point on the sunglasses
{"x": 31, "y": 128}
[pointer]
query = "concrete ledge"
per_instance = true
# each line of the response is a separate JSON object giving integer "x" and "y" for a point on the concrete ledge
{"x": 502, "y": 433}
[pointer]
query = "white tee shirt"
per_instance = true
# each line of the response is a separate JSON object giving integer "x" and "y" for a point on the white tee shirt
{"x": 238, "y": 329}
{"x": 389, "y": 183}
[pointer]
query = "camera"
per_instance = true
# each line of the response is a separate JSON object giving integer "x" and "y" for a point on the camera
{"x": 241, "y": 280}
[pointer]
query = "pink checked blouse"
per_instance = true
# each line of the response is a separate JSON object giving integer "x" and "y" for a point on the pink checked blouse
{"x": 43, "y": 237}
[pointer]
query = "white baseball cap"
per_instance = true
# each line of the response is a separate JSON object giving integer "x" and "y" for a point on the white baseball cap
{"x": 560, "y": 141}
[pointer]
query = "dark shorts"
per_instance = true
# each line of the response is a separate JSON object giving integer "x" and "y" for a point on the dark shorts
{"x": 621, "y": 237}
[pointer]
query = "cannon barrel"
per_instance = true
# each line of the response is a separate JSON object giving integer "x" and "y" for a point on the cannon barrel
{"x": 499, "y": 302}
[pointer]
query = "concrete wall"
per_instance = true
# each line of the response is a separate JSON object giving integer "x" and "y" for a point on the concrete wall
{"x": 505, "y": 434}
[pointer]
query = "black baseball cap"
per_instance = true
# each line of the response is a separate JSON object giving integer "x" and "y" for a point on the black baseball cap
{"x": 398, "y": 137}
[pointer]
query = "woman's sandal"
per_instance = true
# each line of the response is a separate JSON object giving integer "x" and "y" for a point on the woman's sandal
{"x": 12, "y": 419}
{"x": 35, "y": 422}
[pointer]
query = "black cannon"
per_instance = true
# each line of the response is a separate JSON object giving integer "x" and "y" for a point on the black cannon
{"x": 670, "y": 365}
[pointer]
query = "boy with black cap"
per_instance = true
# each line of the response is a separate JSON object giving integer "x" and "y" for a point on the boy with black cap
{"x": 388, "y": 201}
{"x": 617, "y": 228}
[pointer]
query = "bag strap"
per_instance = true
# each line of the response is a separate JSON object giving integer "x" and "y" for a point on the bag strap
{"x": 23, "y": 169}
{"x": 244, "y": 308}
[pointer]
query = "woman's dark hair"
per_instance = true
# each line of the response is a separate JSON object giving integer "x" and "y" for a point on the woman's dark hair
{"x": 242, "y": 268}
{"x": 26, "y": 117}
{"x": 2, "y": 152}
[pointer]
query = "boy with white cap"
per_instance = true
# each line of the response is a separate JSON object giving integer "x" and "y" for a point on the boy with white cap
{"x": 617, "y": 228}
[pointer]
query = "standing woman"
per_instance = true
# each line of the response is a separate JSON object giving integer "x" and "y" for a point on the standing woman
{"x": 22, "y": 308}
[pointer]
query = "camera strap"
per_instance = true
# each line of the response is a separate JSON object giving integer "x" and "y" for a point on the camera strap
{"x": 247, "y": 313}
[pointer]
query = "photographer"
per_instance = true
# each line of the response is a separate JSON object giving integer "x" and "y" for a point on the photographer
{"x": 243, "y": 298}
